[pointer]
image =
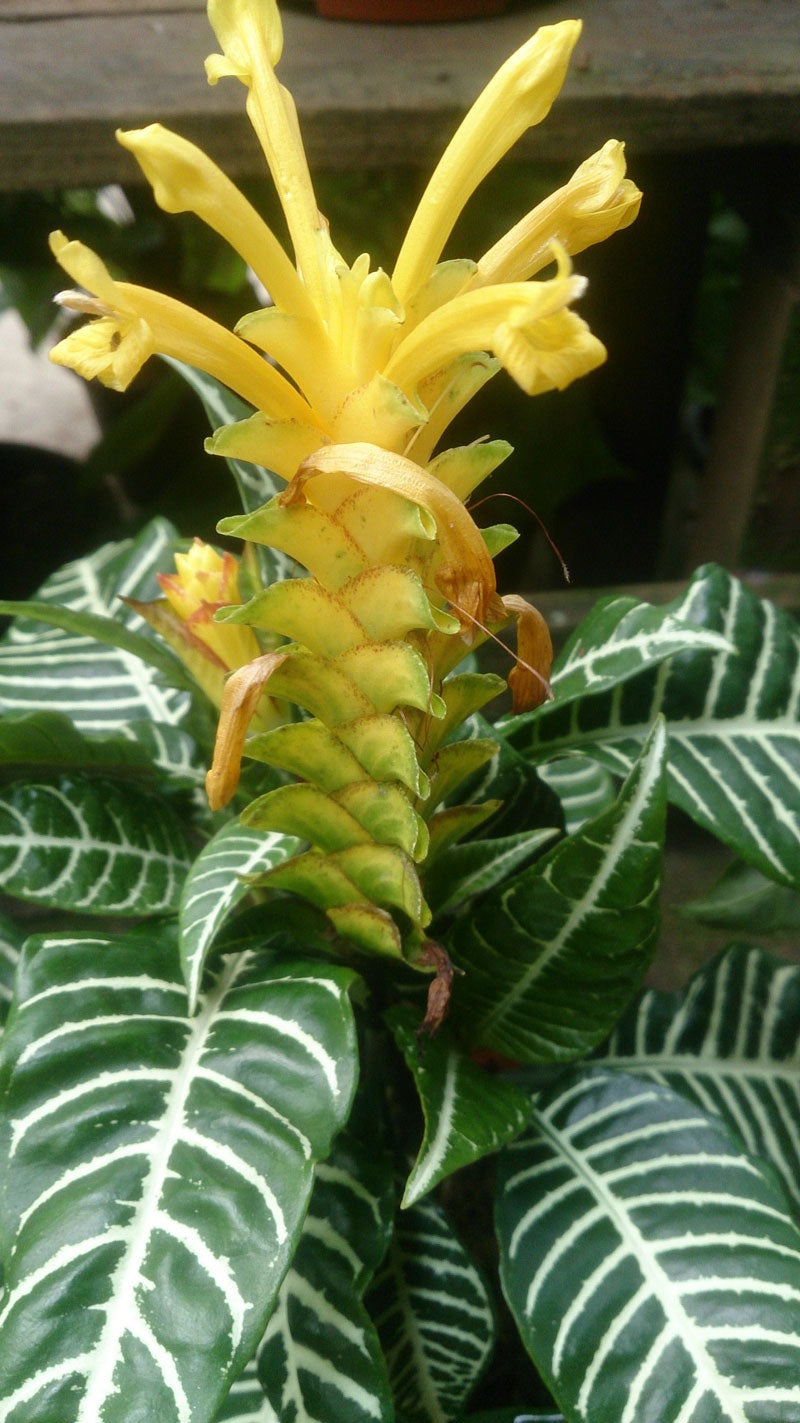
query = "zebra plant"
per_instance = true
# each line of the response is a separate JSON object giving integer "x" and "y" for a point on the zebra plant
{"x": 308, "y": 988}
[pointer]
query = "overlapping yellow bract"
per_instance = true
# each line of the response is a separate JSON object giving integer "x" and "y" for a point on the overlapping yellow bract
{"x": 366, "y": 371}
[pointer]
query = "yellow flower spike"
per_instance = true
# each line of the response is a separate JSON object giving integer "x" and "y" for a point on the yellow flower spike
{"x": 154, "y": 323}
{"x": 184, "y": 179}
{"x": 243, "y": 691}
{"x": 597, "y": 201}
{"x": 519, "y": 95}
{"x": 466, "y": 572}
{"x": 473, "y": 320}
{"x": 251, "y": 37}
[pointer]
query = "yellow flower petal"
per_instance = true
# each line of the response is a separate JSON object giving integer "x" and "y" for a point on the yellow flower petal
{"x": 519, "y": 95}
{"x": 239, "y": 25}
{"x": 184, "y": 179}
{"x": 469, "y": 322}
{"x": 160, "y": 324}
{"x": 110, "y": 350}
{"x": 547, "y": 354}
{"x": 251, "y": 37}
{"x": 597, "y": 201}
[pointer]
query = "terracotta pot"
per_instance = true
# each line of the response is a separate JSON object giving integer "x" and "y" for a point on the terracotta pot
{"x": 408, "y": 11}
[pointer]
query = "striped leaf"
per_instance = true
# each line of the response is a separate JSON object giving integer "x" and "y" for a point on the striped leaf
{"x": 743, "y": 898}
{"x": 621, "y": 637}
{"x": 320, "y": 1358}
{"x": 550, "y": 960}
{"x": 733, "y": 719}
{"x": 462, "y": 872}
{"x": 468, "y": 1112}
{"x": 651, "y": 1265}
{"x": 527, "y": 802}
{"x": 98, "y": 687}
{"x": 95, "y": 845}
{"x": 11, "y": 941}
{"x": 731, "y": 1043}
{"x": 247, "y": 1402}
{"x": 433, "y": 1316}
{"x": 583, "y": 788}
{"x": 215, "y": 885}
{"x": 49, "y": 741}
{"x": 159, "y": 1168}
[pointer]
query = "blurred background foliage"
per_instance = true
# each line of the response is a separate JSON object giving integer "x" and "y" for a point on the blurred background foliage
{"x": 589, "y": 462}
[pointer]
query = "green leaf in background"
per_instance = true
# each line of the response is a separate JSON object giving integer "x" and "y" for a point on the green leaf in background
{"x": 320, "y": 1358}
{"x": 527, "y": 802}
{"x": 11, "y": 940}
{"x": 468, "y": 1112}
{"x": 729, "y": 1041}
{"x": 619, "y": 638}
{"x": 214, "y": 886}
{"x": 744, "y": 899}
{"x": 98, "y": 687}
{"x": 550, "y": 959}
{"x": 95, "y": 845}
{"x": 144, "y": 1149}
{"x": 462, "y": 872}
{"x": 733, "y": 720}
{"x": 106, "y": 631}
{"x": 49, "y": 741}
{"x": 433, "y": 1316}
{"x": 583, "y": 788}
{"x": 651, "y": 1266}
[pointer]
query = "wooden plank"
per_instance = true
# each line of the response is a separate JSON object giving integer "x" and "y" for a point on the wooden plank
{"x": 668, "y": 75}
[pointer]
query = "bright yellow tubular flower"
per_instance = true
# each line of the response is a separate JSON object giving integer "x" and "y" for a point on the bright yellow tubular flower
{"x": 135, "y": 323}
{"x": 597, "y": 201}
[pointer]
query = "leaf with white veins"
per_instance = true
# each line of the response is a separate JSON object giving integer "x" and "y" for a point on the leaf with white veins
{"x": 146, "y": 1148}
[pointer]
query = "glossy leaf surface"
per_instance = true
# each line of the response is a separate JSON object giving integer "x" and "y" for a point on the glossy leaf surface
{"x": 651, "y": 1265}
{"x": 550, "y": 959}
{"x": 171, "y": 1152}
{"x": 320, "y": 1357}
{"x": 583, "y": 787}
{"x": 433, "y": 1317}
{"x": 730, "y": 1041}
{"x": 97, "y": 687}
{"x": 733, "y": 720}
{"x": 468, "y": 1111}
{"x": 215, "y": 885}
{"x": 92, "y": 844}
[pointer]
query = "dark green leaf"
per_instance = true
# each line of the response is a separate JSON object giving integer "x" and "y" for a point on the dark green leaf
{"x": 550, "y": 960}
{"x": 729, "y": 1041}
{"x": 159, "y": 1169}
{"x": 468, "y": 1111}
{"x": 651, "y": 1266}
{"x": 94, "y": 845}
